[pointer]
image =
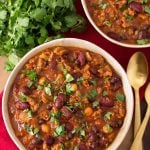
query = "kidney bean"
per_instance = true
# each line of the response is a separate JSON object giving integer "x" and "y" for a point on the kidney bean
{"x": 50, "y": 140}
{"x": 82, "y": 146}
{"x": 145, "y": 27}
{"x": 106, "y": 101}
{"x": 93, "y": 145}
{"x": 36, "y": 141}
{"x": 94, "y": 129}
{"x": 94, "y": 70}
{"x": 60, "y": 100}
{"x": 76, "y": 75}
{"x": 70, "y": 135}
{"x": 116, "y": 123}
{"x": 26, "y": 90}
{"x": 81, "y": 60}
{"x": 92, "y": 136}
{"x": 22, "y": 106}
{"x": 115, "y": 36}
{"x": 142, "y": 34}
{"x": 66, "y": 112}
{"x": 53, "y": 64}
{"x": 116, "y": 83}
{"x": 69, "y": 126}
{"x": 41, "y": 121}
{"x": 48, "y": 107}
{"x": 136, "y": 6}
{"x": 103, "y": 142}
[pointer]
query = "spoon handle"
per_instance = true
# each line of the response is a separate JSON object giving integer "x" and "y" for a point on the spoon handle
{"x": 137, "y": 116}
{"x": 141, "y": 130}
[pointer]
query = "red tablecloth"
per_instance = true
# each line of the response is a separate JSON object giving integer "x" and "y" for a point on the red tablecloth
{"x": 120, "y": 53}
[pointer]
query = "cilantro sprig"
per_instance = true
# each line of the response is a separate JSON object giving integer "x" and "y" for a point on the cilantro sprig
{"x": 25, "y": 24}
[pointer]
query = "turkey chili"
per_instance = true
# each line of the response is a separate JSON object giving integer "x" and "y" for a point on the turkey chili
{"x": 67, "y": 98}
{"x": 127, "y": 21}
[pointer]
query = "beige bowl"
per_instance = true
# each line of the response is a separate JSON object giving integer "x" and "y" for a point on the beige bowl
{"x": 104, "y": 35}
{"x": 73, "y": 43}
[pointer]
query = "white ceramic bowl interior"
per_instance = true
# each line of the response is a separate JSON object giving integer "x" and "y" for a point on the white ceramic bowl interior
{"x": 73, "y": 43}
{"x": 104, "y": 35}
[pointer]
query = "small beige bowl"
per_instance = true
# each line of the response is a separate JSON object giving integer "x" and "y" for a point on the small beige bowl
{"x": 73, "y": 43}
{"x": 104, "y": 35}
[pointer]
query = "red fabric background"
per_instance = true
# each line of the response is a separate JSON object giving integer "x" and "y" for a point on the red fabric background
{"x": 120, "y": 53}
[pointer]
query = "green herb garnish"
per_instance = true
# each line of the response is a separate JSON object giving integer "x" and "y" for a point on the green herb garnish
{"x": 60, "y": 130}
{"x": 95, "y": 103}
{"x": 69, "y": 77}
{"x": 120, "y": 97}
{"x": 107, "y": 116}
{"x": 92, "y": 94}
{"x": 48, "y": 90}
{"x": 25, "y": 24}
{"x": 54, "y": 117}
{"x": 104, "y": 93}
{"x": 142, "y": 41}
{"x": 31, "y": 74}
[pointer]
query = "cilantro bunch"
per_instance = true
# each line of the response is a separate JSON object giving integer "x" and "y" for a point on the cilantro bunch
{"x": 25, "y": 24}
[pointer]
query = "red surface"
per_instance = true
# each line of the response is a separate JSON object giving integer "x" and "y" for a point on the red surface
{"x": 120, "y": 53}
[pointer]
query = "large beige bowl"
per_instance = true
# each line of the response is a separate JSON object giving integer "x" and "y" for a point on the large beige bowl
{"x": 73, "y": 43}
{"x": 104, "y": 35}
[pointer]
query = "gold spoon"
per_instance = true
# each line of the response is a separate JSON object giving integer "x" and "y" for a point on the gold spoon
{"x": 141, "y": 130}
{"x": 137, "y": 72}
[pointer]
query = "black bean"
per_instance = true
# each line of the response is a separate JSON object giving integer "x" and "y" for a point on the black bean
{"x": 50, "y": 140}
{"x": 106, "y": 102}
{"x": 22, "y": 106}
{"x": 26, "y": 90}
{"x": 115, "y": 36}
{"x": 136, "y": 6}
{"x": 66, "y": 112}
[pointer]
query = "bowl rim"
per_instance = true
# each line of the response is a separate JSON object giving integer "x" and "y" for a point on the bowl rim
{"x": 84, "y": 5}
{"x": 75, "y": 43}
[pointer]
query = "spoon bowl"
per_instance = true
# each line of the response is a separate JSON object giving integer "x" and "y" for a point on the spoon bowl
{"x": 137, "y": 70}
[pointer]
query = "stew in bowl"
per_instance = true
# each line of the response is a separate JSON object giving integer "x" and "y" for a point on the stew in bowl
{"x": 67, "y": 97}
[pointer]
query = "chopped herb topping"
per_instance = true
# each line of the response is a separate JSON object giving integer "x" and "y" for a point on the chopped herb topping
{"x": 54, "y": 117}
{"x": 105, "y": 93}
{"x": 31, "y": 74}
{"x": 80, "y": 80}
{"x": 31, "y": 130}
{"x": 107, "y": 116}
{"x": 120, "y": 97}
{"x": 60, "y": 130}
{"x": 48, "y": 90}
{"x": 69, "y": 77}
{"x": 92, "y": 94}
{"x": 23, "y": 97}
{"x": 95, "y": 103}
